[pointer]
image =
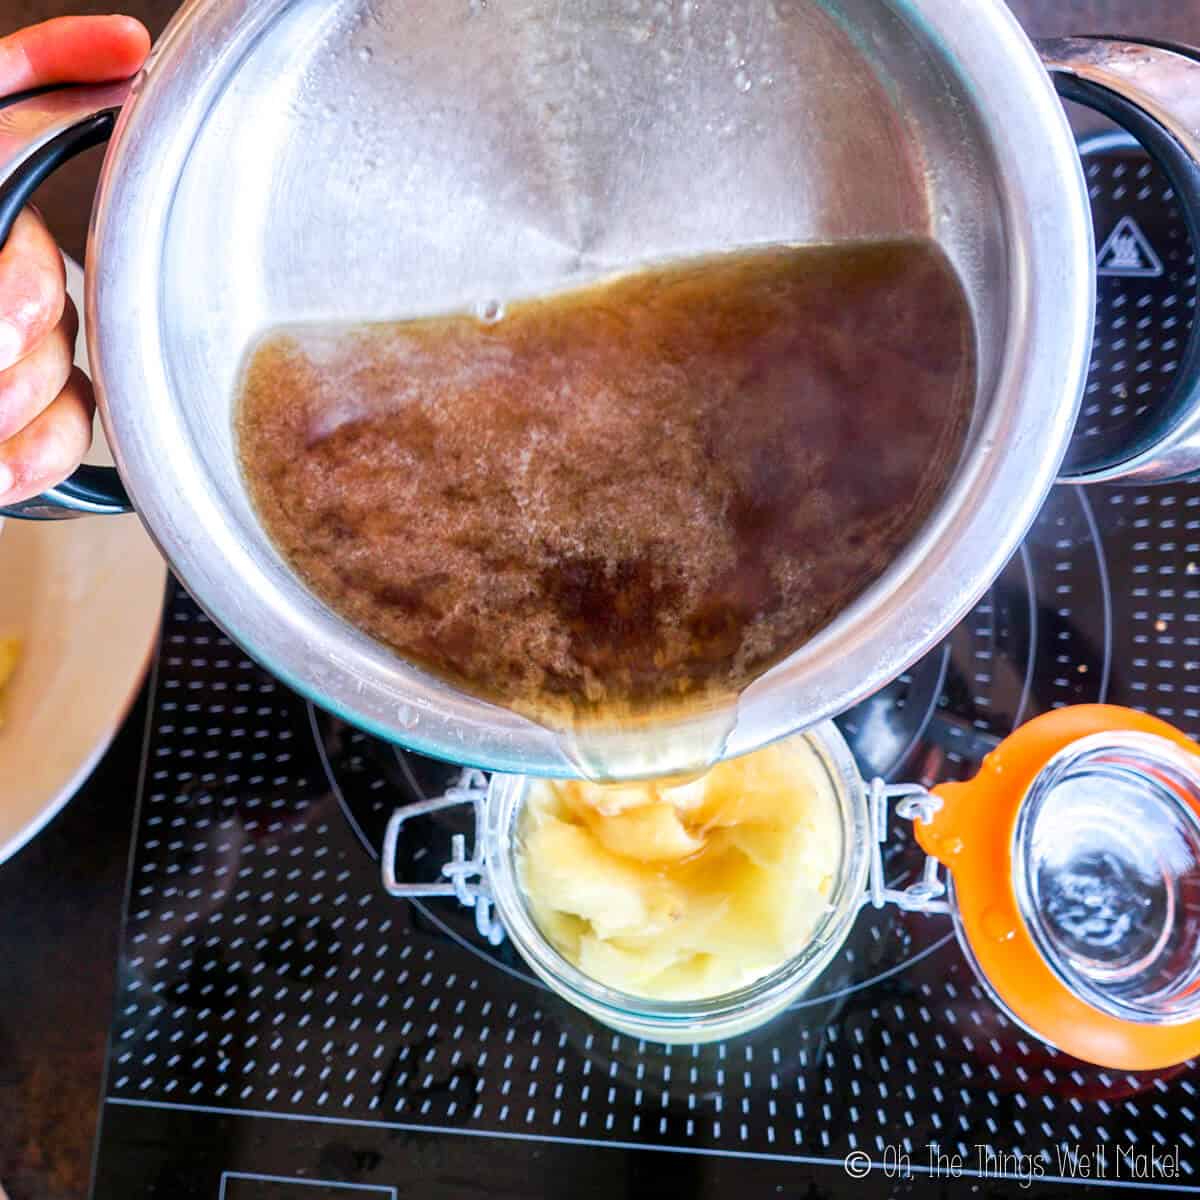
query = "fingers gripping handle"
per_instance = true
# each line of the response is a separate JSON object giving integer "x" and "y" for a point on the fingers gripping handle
{"x": 1153, "y": 91}
{"x": 38, "y": 133}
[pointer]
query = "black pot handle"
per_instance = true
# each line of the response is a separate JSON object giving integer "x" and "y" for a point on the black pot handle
{"x": 1153, "y": 91}
{"x": 38, "y": 133}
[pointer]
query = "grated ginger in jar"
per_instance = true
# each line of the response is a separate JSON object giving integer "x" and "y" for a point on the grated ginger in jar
{"x": 682, "y": 891}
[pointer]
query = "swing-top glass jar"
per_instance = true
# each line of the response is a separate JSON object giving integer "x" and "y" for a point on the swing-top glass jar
{"x": 1075, "y": 890}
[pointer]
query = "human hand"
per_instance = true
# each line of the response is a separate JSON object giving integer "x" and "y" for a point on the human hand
{"x": 46, "y": 403}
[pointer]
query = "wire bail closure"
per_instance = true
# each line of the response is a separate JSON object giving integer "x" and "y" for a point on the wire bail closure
{"x": 467, "y": 877}
{"x": 913, "y": 803}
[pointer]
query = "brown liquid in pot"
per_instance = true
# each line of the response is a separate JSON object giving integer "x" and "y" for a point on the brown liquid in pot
{"x": 633, "y": 496}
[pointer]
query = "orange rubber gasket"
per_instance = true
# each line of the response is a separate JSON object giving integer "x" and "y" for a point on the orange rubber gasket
{"x": 972, "y": 835}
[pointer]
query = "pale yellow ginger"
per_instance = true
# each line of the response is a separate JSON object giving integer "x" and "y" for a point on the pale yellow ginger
{"x": 680, "y": 891}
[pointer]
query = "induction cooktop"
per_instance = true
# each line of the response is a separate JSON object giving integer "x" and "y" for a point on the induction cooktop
{"x": 284, "y": 1029}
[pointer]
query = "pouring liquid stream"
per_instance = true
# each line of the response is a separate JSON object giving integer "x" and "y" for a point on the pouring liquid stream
{"x": 622, "y": 504}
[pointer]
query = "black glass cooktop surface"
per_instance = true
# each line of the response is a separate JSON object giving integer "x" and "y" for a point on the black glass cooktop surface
{"x": 284, "y": 1029}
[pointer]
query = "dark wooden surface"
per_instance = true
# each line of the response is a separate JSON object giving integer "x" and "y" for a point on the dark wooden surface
{"x": 60, "y": 898}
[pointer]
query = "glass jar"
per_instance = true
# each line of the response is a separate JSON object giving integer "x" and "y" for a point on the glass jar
{"x": 1074, "y": 858}
{"x": 712, "y": 1018}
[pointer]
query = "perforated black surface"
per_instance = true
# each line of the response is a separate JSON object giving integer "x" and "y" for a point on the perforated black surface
{"x": 281, "y": 1019}
{"x": 1146, "y": 301}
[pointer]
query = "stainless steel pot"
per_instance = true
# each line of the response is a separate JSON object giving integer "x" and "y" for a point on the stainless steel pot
{"x": 287, "y": 160}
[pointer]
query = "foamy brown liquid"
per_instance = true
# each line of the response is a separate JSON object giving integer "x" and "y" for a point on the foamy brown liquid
{"x": 631, "y": 497}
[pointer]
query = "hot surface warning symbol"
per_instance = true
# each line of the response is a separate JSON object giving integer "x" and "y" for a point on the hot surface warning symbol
{"x": 1127, "y": 252}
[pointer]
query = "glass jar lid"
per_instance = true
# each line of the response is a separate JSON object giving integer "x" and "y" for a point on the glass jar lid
{"x": 1075, "y": 856}
{"x": 1107, "y": 869}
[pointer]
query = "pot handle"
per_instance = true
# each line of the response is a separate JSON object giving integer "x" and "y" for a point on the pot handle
{"x": 1153, "y": 91}
{"x": 38, "y": 133}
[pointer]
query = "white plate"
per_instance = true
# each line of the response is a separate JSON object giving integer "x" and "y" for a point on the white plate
{"x": 85, "y": 598}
